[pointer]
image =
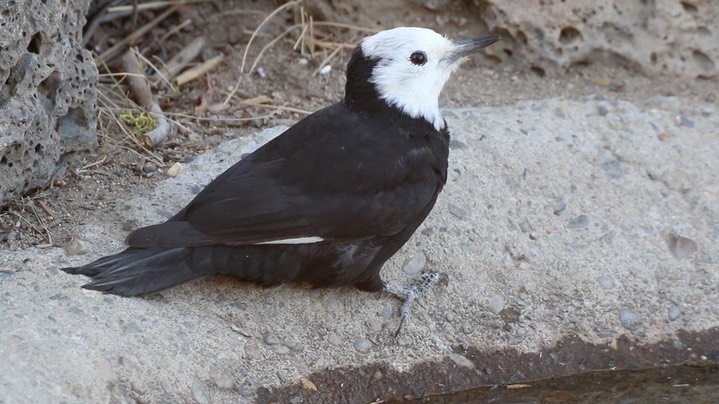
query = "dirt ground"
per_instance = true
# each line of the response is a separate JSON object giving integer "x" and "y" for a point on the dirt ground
{"x": 289, "y": 81}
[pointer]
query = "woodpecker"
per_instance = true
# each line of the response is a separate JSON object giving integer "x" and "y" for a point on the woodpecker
{"x": 328, "y": 201}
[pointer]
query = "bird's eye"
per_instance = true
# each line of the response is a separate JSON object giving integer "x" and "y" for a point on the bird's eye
{"x": 418, "y": 58}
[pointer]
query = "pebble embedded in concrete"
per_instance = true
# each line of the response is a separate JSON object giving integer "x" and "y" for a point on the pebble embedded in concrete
{"x": 271, "y": 339}
{"x": 606, "y": 282}
{"x": 199, "y": 392}
{"x": 333, "y": 338}
{"x": 578, "y": 222}
{"x": 363, "y": 345}
{"x": 674, "y": 312}
{"x": 457, "y": 212}
{"x": 414, "y": 264}
{"x": 629, "y": 319}
{"x": 496, "y": 304}
{"x": 683, "y": 247}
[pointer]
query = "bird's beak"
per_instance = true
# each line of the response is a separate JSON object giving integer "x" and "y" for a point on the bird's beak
{"x": 466, "y": 47}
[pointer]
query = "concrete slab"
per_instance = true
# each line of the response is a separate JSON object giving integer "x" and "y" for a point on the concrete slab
{"x": 589, "y": 221}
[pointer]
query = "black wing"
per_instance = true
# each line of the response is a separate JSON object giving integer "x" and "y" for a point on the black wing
{"x": 355, "y": 179}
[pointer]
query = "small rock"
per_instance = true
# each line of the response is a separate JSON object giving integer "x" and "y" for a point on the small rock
{"x": 404, "y": 342}
{"x": 456, "y": 144}
{"x": 629, "y": 319}
{"x": 374, "y": 325}
{"x": 674, "y": 312}
{"x": 248, "y": 387}
{"x": 253, "y": 351}
{"x": 75, "y": 247}
{"x": 414, "y": 264}
{"x": 77, "y": 311}
{"x": 199, "y": 392}
{"x": 608, "y": 237}
{"x": 461, "y": 360}
{"x": 222, "y": 379}
{"x": 377, "y": 375}
{"x": 603, "y": 110}
{"x": 166, "y": 386}
{"x": 294, "y": 345}
{"x": 683, "y": 247}
{"x": 325, "y": 69}
{"x": 149, "y": 167}
{"x": 283, "y": 376}
{"x": 282, "y": 350}
{"x": 665, "y": 102}
{"x": 457, "y": 212}
{"x": 682, "y": 120}
{"x": 578, "y": 222}
{"x": 613, "y": 169}
{"x": 617, "y": 85}
{"x": 137, "y": 386}
{"x": 175, "y": 170}
{"x": 525, "y": 227}
{"x": 606, "y": 282}
{"x": 271, "y": 339}
{"x": 559, "y": 207}
{"x": 496, "y": 304}
{"x": 466, "y": 327}
{"x": 218, "y": 107}
{"x": 363, "y": 345}
{"x": 333, "y": 338}
{"x": 449, "y": 316}
{"x": 133, "y": 327}
{"x": 334, "y": 304}
{"x": 307, "y": 384}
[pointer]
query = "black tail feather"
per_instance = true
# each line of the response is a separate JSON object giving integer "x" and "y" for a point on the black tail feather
{"x": 140, "y": 271}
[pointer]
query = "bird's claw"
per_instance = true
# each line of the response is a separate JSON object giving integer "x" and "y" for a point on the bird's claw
{"x": 408, "y": 295}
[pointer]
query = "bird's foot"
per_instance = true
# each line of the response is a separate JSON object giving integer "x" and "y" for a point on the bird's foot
{"x": 407, "y": 295}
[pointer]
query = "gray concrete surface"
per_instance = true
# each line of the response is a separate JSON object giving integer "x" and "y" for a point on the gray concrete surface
{"x": 586, "y": 218}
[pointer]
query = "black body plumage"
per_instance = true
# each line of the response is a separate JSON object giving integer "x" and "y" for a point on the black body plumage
{"x": 327, "y": 202}
{"x": 360, "y": 174}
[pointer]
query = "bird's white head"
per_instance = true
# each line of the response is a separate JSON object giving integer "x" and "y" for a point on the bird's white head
{"x": 412, "y": 66}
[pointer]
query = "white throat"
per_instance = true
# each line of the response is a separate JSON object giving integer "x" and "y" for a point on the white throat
{"x": 414, "y": 88}
{"x": 413, "y": 97}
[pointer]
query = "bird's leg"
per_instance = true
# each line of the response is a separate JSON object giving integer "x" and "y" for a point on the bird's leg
{"x": 407, "y": 295}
